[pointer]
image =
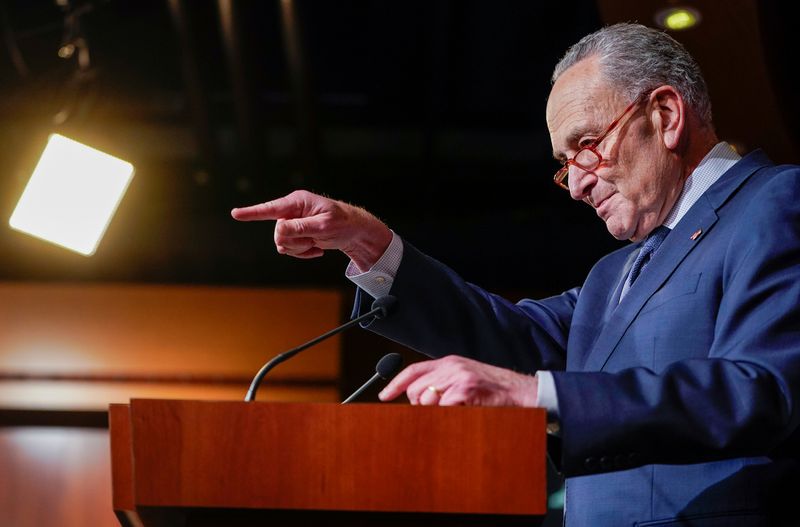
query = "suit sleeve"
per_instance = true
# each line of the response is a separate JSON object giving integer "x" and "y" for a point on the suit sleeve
{"x": 438, "y": 314}
{"x": 739, "y": 401}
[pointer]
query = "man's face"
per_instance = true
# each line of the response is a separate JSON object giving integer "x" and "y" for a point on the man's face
{"x": 638, "y": 181}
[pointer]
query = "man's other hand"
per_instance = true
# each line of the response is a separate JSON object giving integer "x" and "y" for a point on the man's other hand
{"x": 308, "y": 224}
{"x": 455, "y": 380}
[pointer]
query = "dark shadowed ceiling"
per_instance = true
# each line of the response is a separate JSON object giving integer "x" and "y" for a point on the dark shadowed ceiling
{"x": 429, "y": 113}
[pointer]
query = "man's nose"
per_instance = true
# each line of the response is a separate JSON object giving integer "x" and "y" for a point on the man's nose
{"x": 580, "y": 182}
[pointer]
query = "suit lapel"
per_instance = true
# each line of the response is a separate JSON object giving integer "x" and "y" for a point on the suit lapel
{"x": 680, "y": 242}
{"x": 611, "y": 306}
{"x": 671, "y": 253}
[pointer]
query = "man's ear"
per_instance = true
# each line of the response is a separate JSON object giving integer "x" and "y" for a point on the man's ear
{"x": 668, "y": 115}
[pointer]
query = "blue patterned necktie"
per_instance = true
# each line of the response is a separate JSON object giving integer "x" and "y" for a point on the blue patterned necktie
{"x": 649, "y": 247}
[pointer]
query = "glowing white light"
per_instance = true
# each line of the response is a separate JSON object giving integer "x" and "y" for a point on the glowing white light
{"x": 72, "y": 195}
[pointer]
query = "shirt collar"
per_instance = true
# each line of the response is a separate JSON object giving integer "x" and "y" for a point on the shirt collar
{"x": 715, "y": 163}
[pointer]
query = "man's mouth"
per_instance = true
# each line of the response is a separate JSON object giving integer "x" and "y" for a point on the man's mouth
{"x": 599, "y": 205}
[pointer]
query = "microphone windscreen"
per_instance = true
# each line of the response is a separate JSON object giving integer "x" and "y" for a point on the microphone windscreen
{"x": 386, "y": 305}
{"x": 389, "y": 365}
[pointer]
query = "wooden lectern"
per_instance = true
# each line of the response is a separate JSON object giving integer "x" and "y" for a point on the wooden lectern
{"x": 199, "y": 463}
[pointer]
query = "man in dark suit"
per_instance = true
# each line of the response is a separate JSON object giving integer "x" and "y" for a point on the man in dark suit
{"x": 673, "y": 373}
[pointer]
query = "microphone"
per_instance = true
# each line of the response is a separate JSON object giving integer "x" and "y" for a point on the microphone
{"x": 385, "y": 306}
{"x": 386, "y": 368}
{"x": 381, "y": 308}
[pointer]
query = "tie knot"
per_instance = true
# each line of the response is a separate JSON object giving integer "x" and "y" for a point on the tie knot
{"x": 649, "y": 246}
{"x": 655, "y": 239}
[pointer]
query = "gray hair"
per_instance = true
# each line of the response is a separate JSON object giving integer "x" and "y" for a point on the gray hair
{"x": 636, "y": 59}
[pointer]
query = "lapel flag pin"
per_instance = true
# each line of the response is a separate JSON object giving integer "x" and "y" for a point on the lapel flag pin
{"x": 696, "y": 234}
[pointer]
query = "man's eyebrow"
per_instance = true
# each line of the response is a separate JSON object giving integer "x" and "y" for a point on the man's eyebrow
{"x": 573, "y": 138}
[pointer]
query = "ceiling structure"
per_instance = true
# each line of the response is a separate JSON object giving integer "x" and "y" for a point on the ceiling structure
{"x": 428, "y": 113}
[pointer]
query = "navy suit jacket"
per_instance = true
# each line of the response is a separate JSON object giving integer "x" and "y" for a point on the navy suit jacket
{"x": 678, "y": 405}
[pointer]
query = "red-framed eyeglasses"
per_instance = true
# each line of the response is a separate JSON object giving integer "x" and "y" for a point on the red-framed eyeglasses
{"x": 588, "y": 157}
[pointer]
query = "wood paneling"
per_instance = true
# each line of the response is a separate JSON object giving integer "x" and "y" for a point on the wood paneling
{"x": 83, "y": 396}
{"x": 71, "y": 349}
{"x": 144, "y": 329}
{"x": 55, "y": 476}
{"x": 119, "y": 421}
{"x": 84, "y": 346}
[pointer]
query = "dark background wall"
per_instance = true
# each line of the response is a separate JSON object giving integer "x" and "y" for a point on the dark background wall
{"x": 429, "y": 113}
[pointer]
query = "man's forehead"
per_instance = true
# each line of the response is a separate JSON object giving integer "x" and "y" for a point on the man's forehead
{"x": 570, "y": 119}
{"x": 581, "y": 94}
{"x": 579, "y": 102}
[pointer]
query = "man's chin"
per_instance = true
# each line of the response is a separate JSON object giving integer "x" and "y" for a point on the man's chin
{"x": 620, "y": 232}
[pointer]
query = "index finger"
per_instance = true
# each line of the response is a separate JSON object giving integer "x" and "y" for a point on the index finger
{"x": 403, "y": 379}
{"x": 285, "y": 207}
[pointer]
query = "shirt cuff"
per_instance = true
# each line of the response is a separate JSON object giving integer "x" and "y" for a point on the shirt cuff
{"x": 378, "y": 280}
{"x": 546, "y": 396}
